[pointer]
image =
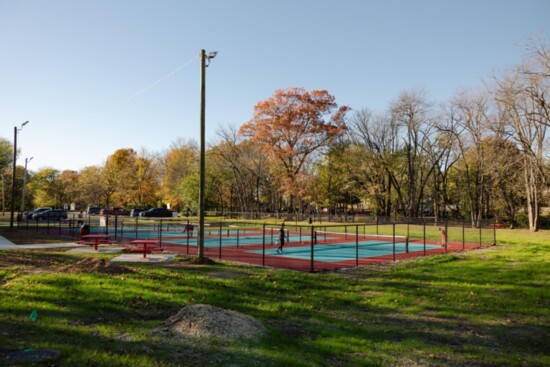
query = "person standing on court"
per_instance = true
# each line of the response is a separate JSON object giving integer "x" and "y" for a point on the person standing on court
{"x": 281, "y": 239}
{"x": 443, "y": 236}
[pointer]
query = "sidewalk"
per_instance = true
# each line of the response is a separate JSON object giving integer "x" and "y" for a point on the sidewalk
{"x": 6, "y": 244}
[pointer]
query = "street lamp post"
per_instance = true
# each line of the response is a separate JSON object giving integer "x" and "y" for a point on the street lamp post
{"x": 27, "y": 160}
{"x": 205, "y": 60}
{"x": 15, "y": 130}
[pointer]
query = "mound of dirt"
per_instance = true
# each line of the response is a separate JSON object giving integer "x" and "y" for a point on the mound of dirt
{"x": 91, "y": 265}
{"x": 210, "y": 321}
{"x": 203, "y": 261}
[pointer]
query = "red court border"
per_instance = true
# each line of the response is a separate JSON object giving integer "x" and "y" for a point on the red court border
{"x": 242, "y": 254}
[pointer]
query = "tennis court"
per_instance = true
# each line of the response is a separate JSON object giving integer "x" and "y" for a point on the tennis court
{"x": 327, "y": 251}
{"x": 231, "y": 241}
{"x": 348, "y": 251}
{"x": 307, "y": 247}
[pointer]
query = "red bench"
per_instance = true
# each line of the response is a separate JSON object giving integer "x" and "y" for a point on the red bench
{"x": 143, "y": 246}
{"x": 95, "y": 240}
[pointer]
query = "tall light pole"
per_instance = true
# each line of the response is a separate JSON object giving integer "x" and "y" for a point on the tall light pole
{"x": 27, "y": 160}
{"x": 15, "y": 130}
{"x": 205, "y": 61}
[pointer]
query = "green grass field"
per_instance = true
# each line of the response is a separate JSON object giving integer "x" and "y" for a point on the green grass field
{"x": 485, "y": 307}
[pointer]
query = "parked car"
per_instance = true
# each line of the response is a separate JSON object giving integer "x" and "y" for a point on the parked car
{"x": 51, "y": 214}
{"x": 114, "y": 211}
{"x": 94, "y": 210}
{"x": 32, "y": 213}
{"x": 156, "y": 212}
{"x": 135, "y": 212}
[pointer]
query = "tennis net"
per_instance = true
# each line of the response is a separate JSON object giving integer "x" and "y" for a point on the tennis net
{"x": 368, "y": 239}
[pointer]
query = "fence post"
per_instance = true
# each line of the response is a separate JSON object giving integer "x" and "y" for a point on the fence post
{"x": 263, "y": 243}
{"x": 160, "y": 233}
{"x": 393, "y": 225}
{"x": 480, "y": 238}
{"x": 495, "y": 232}
{"x": 312, "y": 260}
{"x": 463, "y": 236}
{"x": 446, "y": 233}
{"x": 357, "y": 245}
{"x": 408, "y": 224}
{"x": 187, "y": 232}
{"x": 116, "y": 226}
{"x": 136, "y": 228}
{"x": 424, "y": 230}
{"x": 221, "y": 235}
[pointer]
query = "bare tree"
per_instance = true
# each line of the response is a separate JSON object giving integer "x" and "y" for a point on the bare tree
{"x": 376, "y": 134}
{"x": 470, "y": 111}
{"x": 521, "y": 94}
{"x": 247, "y": 166}
{"x": 411, "y": 113}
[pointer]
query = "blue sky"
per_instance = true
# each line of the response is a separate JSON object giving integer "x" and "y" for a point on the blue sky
{"x": 77, "y": 69}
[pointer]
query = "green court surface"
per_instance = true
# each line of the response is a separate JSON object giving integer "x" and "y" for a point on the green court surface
{"x": 346, "y": 251}
{"x": 154, "y": 233}
{"x": 233, "y": 240}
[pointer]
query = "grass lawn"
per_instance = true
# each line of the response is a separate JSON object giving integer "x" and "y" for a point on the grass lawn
{"x": 487, "y": 307}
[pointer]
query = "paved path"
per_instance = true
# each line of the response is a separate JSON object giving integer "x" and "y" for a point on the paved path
{"x": 138, "y": 258}
{"x": 6, "y": 244}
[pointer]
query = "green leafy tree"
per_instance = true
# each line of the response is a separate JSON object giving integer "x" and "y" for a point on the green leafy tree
{"x": 178, "y": 163}
{"x": 47, "y": 188}
{"x": 6, "y": 154}
{"x": 90, "y": 191}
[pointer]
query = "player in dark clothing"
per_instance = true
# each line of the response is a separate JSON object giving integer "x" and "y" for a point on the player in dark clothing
{"x": 281, "y": 239}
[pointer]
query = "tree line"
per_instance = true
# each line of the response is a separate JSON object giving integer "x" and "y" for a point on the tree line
{"x": 483, "y": 154}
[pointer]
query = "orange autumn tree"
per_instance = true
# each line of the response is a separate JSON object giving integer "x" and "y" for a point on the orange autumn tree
{"x": 293, "y": 124}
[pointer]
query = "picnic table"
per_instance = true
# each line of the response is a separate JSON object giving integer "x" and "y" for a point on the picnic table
{"x": 95, "y": 239}
{"x": 144, "y": 245}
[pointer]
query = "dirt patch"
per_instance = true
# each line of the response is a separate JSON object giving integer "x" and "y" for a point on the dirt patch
{"x": 203, "y": 261}
{"x": 42, "y": 259}
{"x": 210, "y": 321}
{"x": 92, "y": 265}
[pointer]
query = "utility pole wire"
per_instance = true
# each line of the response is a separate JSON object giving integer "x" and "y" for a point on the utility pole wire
{"x": 157, "y": 82}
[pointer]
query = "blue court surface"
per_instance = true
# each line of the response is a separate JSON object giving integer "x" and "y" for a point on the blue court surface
{"x": 232, "y": 241}
{"x": 150, "y": 232}
{"x": 345, "y": 251}
{"x": 140, "y": 234}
